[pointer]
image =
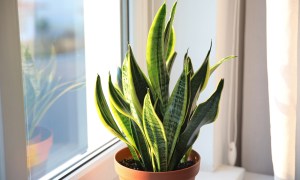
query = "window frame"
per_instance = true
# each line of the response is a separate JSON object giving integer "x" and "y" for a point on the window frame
{"x": 137, "y": 12}
{"x": 11, "y": 98}
{"x": 14, "y": 133}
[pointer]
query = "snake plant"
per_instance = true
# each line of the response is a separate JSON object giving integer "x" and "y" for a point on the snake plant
{"x": 159, "y": 129}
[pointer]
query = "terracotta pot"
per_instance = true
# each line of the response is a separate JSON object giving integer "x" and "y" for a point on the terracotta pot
{"x": 126, "y": 173}
{"x": 39, "y": 146}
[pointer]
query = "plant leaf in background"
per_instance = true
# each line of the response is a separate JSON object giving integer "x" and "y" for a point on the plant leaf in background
{"x": 42, "y": 88}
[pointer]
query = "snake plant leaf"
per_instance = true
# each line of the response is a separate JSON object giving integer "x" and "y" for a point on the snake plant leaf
{"x": 107, "y": 118}
{"x": 142, "y": 146}
{"x": 140, "y": 82}
{"x": 176, "y": 110}
{"x": 171, "y": 45}
{"x": 169, "y": 36}
{"x": 158, "y": 109}
{"x": 135, "y": 108}
{"x": 213, "y": 68}
{"x": 188, "y": 64}
{"x": 155, "y": 56}
{"x": 199, "y": 80}
{"x": 205, "y": 113}
{"x": 130, "y": 126}
{"x": 201, "y": 76}
{"x": 134, "y": 137}
{"x": 104, "y": 112}
{"x": 155, "y": 134}
{"x": 124, "y": 123}
{"x": 129, "y": 91}
{"x": 135, "y": 155}
{"x": 118, "y": 100}
{"x": 170, "y": 62}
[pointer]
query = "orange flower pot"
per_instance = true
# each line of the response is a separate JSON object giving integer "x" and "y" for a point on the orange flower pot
{"x": 39, "y": 147}
{"x": 126, "y": 173}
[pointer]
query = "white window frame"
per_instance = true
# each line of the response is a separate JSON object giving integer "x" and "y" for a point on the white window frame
{"x": 14, "y": 138}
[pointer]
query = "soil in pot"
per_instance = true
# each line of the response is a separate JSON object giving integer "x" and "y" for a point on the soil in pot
{"x": 132, "y": 164}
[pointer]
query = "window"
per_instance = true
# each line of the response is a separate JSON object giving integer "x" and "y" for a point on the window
{"x": 64, "y": 45}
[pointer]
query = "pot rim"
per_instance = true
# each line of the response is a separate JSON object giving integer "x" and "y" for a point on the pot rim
{"x": 43, "y": 136}
{"x": 189, "y": 171}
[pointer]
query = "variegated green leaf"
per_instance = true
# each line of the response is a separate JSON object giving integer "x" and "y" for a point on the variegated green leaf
{"x": 135, "y": 155}
{"x": 188, "y": 67}
{"x": 125, "y": 125}
{"x": 188, "y": 64}
{"x": 169, "y": 36}
{"x": 205, "y": 113}
{"x": 171, "y": 45}
{"x": 170, "y": 62}
{"x": 107, "y": 118}
{"x": 142, "y": 146}
{"x": 118, "y": 104}
{"x": 201, "y": 76}
{"x": 199, "y": 81}
{"x": 118, "y": 100}
{"x": 155, "y": 56}
{"x": 130, "y": 83}
{"x": 176, "y": 110}
{"x": 104, "y": 112}
{"x": 158, "y": 109}
{"x": 140, "y": 81}
{"x": 129, "y": 91}
{"x": 212, "y": 69}
{"x": 155, "y": 134}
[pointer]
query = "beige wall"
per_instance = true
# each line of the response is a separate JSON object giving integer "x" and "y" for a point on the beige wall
{"x": 256, "y": 143}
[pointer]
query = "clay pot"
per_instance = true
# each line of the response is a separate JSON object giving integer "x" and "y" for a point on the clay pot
{"x": 126, "y": 173}
{"x": 38, "y": 148}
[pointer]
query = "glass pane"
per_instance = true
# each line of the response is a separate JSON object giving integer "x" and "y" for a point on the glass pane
{"x": 64, "y": 45}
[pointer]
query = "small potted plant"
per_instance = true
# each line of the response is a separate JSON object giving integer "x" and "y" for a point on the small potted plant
{"x": 158, "y": 129}
{"x": 42, "y": 88}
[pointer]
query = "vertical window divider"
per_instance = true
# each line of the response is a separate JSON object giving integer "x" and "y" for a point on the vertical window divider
{"x": 14, "y": 131}
{"x": 124, "y": 27}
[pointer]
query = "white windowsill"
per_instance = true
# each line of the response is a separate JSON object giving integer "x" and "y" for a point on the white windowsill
{"x": 223, "y": 172}
{"x": 254, "y": 176}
